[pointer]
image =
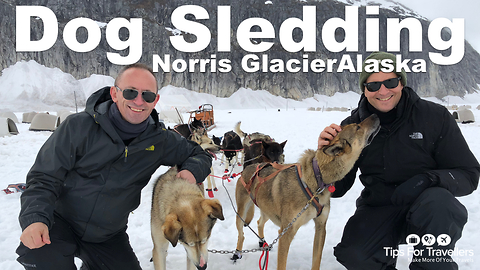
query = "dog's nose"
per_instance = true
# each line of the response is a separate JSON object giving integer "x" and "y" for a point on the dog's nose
{"x": 202, "y": 267}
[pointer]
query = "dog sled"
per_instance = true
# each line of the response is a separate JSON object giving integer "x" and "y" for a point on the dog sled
{"x": 204, "y": 114}
{"x": 12, "y": 188}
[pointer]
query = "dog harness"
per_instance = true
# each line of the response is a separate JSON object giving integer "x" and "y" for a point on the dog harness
{"x": 320, "y": 187}
{"x": 318, "y": 176}
{"x": 262, "y": 180}
{"x": 298, "y": 171}
{"x": 189, "y": 129}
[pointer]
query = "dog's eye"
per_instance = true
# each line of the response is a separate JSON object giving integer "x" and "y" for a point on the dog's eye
{"x": 204, "y": 241}
{"x": 191, "y": 244}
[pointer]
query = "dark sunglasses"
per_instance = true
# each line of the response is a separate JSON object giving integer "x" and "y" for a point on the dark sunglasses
{"x": 375, "y": 86}
{"x": 130, "y": 94}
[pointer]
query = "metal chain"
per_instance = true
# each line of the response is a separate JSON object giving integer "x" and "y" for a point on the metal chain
{"x": 235, "y": 251}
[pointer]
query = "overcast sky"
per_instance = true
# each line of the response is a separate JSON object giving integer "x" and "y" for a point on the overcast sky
{"x": 467, "y": 9}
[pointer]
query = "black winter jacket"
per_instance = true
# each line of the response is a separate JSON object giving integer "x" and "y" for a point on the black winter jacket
{"x": 424, "y": 138}
{"x": 86, "y": 174}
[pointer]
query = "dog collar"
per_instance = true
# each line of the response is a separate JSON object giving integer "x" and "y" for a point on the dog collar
{"x": 318, "y": 176}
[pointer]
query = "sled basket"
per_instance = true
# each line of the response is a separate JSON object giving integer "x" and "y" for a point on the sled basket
{"x": 204, "y": 114}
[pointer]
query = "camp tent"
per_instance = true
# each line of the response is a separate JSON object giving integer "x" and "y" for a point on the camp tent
{"x": 44, "y": 122}
{"x": 63, "y": 114}
{"x": 10, "y": 115}
{"x": 7, "y": 127}
{"x": 28, "y": 116}
{"x": 464, "y": 116}
{"x": 168, "y": 105}
{"x": 464, "y": 107}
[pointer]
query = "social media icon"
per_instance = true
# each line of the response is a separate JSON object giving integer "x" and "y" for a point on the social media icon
{"x": 413, "y": 239}
{"x": 428, "y": 240}
{"x": 444, "y": 240}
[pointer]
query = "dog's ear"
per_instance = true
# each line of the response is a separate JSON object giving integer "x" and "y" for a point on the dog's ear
{"x": 213, "y": 208}
{"x": 172, "y": 228}
{"x": 334, "y": 149}
{"x": 217, "y": 140}
{"x": 265, "y": 144}
{"x": 283, "y": 144}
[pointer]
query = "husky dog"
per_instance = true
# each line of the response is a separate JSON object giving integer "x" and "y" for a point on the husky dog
{"x": 206, "y": 143}
{"x": 210, "y": 146}
{"x": 217, "y": 140}
{"x": 262, "y": 151}
{"x": 188, "y": 130}
{"x": 180, "y": 213}
{"x": 231, "y": 147}
{"x": 282, "y": 191}
{"x": 249, "y": 139}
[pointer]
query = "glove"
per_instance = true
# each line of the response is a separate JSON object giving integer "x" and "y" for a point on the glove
{"x": 408, "y": 191}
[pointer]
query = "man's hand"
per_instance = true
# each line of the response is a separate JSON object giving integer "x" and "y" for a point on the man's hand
{"x": 408, "y": 191}
{"x": 187, "y": 175}
{"x": 328, "y": 134}
{"x": 35, "y": 235}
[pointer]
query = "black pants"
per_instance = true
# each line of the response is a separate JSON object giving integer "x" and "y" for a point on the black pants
{"x": 115, "y": 253}
{"x": 372, "y": 231}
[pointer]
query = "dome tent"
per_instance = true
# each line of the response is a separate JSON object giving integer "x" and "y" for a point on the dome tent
{"x": 10, "y": 115}
{"x": 44, "y": 122}
{"x": 7, "y": 127}
{"x": 464, "y": 116}
{"x": 62, "y": 115}
{"x": 28, "y": 116}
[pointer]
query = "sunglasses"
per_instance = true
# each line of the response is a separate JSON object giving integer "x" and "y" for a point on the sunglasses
{"x": 130, "y": 94}
{"x": 375, "y": 86}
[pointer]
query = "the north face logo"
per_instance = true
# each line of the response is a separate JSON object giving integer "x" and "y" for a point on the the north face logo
{"x": 416, "y": 136}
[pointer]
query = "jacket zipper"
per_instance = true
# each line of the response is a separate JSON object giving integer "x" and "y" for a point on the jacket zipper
{"x": 126, "y": 154}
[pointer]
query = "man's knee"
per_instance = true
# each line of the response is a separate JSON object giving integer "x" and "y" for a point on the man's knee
{"x": 357, "y": 258}
{"x": 436, "y": 207}
{"x": 348, "y": 255}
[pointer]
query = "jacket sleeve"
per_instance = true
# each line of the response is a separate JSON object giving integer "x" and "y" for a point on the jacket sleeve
{"x": 344, "y": 185}
{"x": 458, "y": 168}
{"x": 199, "y": 162}
{"x": 188, "y": 155}
{"x": 45, "y": 178}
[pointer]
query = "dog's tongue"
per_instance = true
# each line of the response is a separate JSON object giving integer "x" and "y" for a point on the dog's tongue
{"x": 213, "y": 154}
{"x": 202, "y": 261}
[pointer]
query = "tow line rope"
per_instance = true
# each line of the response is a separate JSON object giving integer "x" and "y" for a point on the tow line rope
{"x": 265, "y": 249}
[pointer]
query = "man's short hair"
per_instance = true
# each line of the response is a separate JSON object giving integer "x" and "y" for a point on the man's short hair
{"x": 140, "y": 66}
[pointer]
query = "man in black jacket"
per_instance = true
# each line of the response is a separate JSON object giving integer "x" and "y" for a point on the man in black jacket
{"x": 89, "y": 174}
{"x": 412, "y": 171}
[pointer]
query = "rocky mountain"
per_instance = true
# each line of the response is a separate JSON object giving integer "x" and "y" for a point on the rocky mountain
{"x": 157, "y": 28}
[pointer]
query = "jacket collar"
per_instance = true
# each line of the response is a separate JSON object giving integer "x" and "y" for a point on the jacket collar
{"x": 403, "y": 108}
